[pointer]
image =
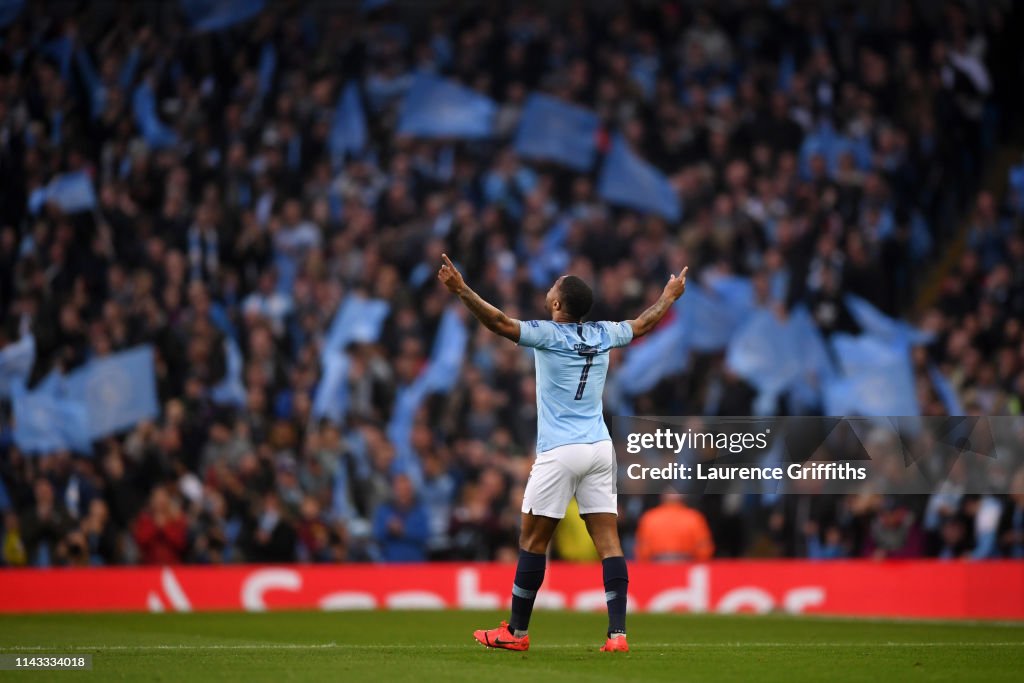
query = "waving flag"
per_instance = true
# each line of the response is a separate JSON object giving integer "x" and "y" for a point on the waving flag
{"x": 126, "y": 76}
{"x": 874, "y": 322}
{"x": 331, "y": 397}
{"x": 118, "y": 390}
{"x": 440, "y": 375}
{"x": 551, "y": 130}
{"x": 358, "y": 320}
{"x": 16, "y": 361}
{"x": 628, "y": 180}
{"x": 157, "y": 134}
{"x": 215, "y": 15}
{"x": 348, "y": 131}
{"x": 267, "y": 68}
{"x": 806, "y": 391}
{"x": 49, "y": 419}
{"x": 825, "y": 142}
{"x": 710, "y": 318}
{"x": 438, "y": 108}
{"x": 662, "y": 353}
{"x": 231, "y": 389}
{"x": 703, "y": 320}
{"x": 763, "y": 353}
{"x": 91, "y": 82}
{"x": 732, "y": 290}
{"x": 70, "y": 192}
{"x": 877, "y": 379}
{"x": 449, "y": 350}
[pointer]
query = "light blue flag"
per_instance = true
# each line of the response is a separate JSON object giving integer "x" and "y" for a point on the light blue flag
{"x": 449, "y": 350}
{"x": 231, "y": 389}
{"x": 126, "y": 76}
{"x": 806, "y": 390}
{"x": 156, "y": 133}
{"x": 710, "y": 319}
{"x": 551, "y": 130}
{"x": 824, "y": 141}
{"x": 403, "y": 416}
{"x": 440, "y": 375}
{"x": 118, "y": 390}
{"x": 348, "y": 131}
{"x": 35, "y": 420}
{"x": 16, "y": 361}
{"x": 762, "y": 352}
{"x": 49, "y": 419}
{"x": 71, "y": 192}
{"x": 358, "y": 320}
{"x": 439, "y": 108}
{"x": 663, "y": 353}
{"x": 215, "y": 15}
{"x": 628, "y": 180}
{"x": 9, "y": 11}
{"x": 266, "y": 69}
{"x": 945, "y": 391}
{"x": 876, "y": 323}
{"x": 91, "y": 81}
{"x": 732, "y": 290}
{"x": 876, "y": 379}
{"x": 331, "y": 397}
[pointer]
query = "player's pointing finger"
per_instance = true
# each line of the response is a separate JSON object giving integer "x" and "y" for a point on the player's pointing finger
{"x": 447, "y": 261}
{"x": 682, "y": 273}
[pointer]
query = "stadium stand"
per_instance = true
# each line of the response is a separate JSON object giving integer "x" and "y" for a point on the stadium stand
{"x": 223, "y": 340}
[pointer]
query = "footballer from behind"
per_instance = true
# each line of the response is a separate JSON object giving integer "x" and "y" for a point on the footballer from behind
{"x": 574, "y": 450}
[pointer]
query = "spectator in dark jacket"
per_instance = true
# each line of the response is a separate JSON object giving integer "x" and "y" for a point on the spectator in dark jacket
{"x": 44, "y": 526}
{"x": 273, "y": 539}
{"x": 1011, "y": 523}
{"x": 401, "y": 526}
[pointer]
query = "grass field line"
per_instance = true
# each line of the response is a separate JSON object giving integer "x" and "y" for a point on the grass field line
{"x": 201, "y": 647}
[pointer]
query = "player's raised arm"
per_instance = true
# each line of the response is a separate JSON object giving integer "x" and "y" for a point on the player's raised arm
{"x": 647, "y": 320}
{"x": 491, "y": 317}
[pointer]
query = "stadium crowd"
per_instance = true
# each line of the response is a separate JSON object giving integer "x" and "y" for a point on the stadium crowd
{"x": 248, "y": 230}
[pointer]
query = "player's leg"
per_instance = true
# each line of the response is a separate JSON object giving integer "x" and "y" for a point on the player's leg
{"x": 598, "y": 503}
{"x": 545, "y": 499}
{"x": 603, "y": 529}
{"x": 533, "y": 547}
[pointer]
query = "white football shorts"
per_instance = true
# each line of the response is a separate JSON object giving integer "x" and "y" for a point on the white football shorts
{"x": 584, "y": 470}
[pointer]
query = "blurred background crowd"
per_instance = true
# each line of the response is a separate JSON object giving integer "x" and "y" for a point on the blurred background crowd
{"x": 816, "y": 149}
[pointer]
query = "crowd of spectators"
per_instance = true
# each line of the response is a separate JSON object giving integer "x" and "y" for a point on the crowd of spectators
{"x": 248, "y": 229}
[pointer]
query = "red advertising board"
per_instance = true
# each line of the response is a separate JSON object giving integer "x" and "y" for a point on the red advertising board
{"x": 975, "y": 590}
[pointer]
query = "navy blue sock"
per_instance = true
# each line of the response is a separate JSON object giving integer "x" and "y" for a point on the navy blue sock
{"x": 529, "y": 577}
{"x": 616, "y": 580}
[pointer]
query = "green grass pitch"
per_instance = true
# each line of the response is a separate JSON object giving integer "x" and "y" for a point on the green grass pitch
{"x": 438, "y": 646}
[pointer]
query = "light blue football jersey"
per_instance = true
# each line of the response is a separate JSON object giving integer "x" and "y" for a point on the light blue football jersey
{"x": 572, "y": 363}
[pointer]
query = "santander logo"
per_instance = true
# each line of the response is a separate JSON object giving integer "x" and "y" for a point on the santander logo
{"x": 693, "y": 596}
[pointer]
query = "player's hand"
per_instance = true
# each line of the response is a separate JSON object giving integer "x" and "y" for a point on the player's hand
{"x": 676, "y": 284}
{"x": 450, "y": 276}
